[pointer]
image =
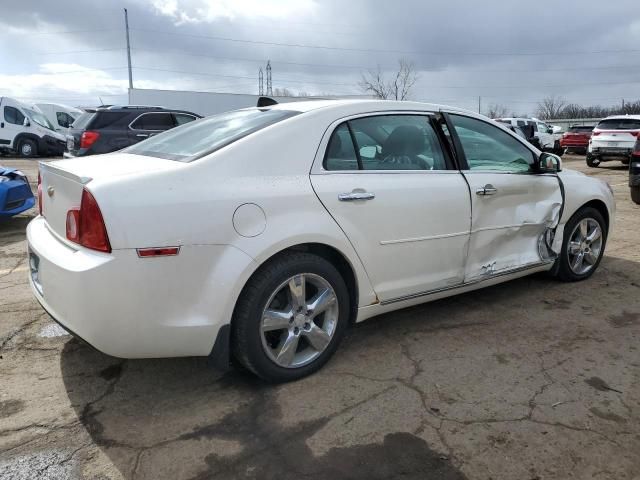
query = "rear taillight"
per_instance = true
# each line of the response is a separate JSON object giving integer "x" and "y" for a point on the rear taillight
{"x": 88, "y": 138}
{"x": 85, "y": 225}
{"x": 39, "y": 193}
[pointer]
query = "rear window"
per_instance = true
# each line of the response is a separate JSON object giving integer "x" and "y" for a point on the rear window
{"x": 580, "y": 129}
{"x": 83, "y": 120}
{"x": 619, "y": 124}
{"x": 196, "y": 139}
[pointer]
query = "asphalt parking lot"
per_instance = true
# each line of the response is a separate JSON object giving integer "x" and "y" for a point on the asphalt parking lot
{"x": 532, "y": 379}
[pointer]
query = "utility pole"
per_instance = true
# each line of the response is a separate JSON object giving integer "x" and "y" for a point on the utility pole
{"x": 260, "y": 82}
{"x": 479, "y": 104}
{"x": 269, "y": 82}
{"x": 126, "y": 27}
{"x": 623, "y": 105}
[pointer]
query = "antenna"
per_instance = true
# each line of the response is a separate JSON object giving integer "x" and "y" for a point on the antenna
{"x": 260, "y": 82}
{"x": 269, "y": 82}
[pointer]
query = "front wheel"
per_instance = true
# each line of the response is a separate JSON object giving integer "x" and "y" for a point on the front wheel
{"x": 290, "y": 317}
{"x": 635, "y": 194}
{"x": 28, "y": 149}
{"x": 585, "y": 236}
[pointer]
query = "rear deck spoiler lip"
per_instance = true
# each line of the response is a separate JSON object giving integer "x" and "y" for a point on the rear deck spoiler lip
{"x": 64, "y": 173}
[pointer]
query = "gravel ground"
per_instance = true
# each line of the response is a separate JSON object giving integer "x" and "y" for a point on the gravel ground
{"x": 533, "y": 379}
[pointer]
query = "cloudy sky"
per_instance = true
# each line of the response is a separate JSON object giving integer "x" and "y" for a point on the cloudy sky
{"x": 508, "y": 52}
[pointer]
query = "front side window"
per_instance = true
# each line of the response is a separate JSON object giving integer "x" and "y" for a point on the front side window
{"x": 153, "y": 121}
{"x": 64, "y": 119}
{"x": 13, "y": 115}
{"x": 197, "y": 139}
{"x": 487, "y": 147}
{"x": 385, "y": 142}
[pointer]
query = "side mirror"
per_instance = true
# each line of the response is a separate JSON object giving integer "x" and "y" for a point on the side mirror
{"x": 26, "y": 122}
{"x": 550, "y": 130}
{"x": 368, "y": 152}
{"x": 549, "y": 162}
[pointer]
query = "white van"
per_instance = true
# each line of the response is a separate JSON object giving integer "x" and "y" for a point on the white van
{"x": 26, "y": 131}
{"x": 60, "y": 116}
{"x": 543, "y": 132}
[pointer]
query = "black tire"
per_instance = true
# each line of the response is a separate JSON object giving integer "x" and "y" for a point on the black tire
{"x": 247, "y": 344}
{"x": 562, "y": 267}
{"x": 592, "y": 161}
{"x": 635, "y": 194}
{"x": 27, "y": 148}
{"x": 626, "y": 161}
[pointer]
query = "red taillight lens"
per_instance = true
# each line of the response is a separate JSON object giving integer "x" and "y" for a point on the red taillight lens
{"x": 88, "y": 138}
{"x": 86, "y": 225}
{"x": 39, "y": 194}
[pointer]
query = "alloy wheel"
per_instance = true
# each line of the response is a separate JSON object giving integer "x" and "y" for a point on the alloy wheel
{"x": 299, "y": 320}
{"x": 585, "y": 246}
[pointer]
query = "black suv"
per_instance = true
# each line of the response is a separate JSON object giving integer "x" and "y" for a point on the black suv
{"x": 110, "y": 128}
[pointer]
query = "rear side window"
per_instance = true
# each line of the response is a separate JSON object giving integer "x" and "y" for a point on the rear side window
{"x": 619, "y": 124}
{"x": 13, "y": 115}
{"x": 153, "y": 121}
{"x": 385, "y": 142}
{"x": 182, "y": 118}
{"x": 197, "y": 139}
{"x": 105, "y": 119}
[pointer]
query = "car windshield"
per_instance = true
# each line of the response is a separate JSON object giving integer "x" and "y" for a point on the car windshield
{"x": 39, "y": 118}
{"x": 196, "y": 139}
{"x": 619, "y": 124}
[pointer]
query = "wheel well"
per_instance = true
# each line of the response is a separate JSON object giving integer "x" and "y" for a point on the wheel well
{"x": 601, "y": 207}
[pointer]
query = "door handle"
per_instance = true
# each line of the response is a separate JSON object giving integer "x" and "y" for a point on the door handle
{"x": 488, "y": 189}
{"x": 142, "y": 135}
{"x": 354, "y": 196}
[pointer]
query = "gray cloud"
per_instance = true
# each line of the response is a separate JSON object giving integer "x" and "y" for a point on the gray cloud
{"x": 512, "y": 53}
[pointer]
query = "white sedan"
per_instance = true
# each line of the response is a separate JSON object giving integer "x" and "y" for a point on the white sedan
{"x": 262, "y": 234}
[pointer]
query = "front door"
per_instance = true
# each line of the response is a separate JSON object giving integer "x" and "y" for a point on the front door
{"x": 513, "y": 208}
{"x": 391, "y": 187}
{"x": 11, "y": 124}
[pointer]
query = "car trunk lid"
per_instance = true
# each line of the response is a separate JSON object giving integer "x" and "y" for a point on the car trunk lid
{"x": 62, "y": 181}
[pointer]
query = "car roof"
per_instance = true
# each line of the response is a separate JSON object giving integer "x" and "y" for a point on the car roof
{"x": 140, "y": 109}
{"x": 367, "y": 105}
{"x": 620, "y": 117}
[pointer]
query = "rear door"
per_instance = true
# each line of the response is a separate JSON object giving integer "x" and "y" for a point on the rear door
{"x": 149, "y": 124}
{"x": 513, "y": 208}
{"x": 390, "y": 185}
{"x": 11, "y": 124}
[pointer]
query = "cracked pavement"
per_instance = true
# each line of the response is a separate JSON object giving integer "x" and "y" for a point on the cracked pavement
{"x": 532, "y": 379}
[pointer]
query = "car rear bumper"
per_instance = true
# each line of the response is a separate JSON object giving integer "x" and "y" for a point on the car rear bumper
{"x": 131, "y": 307}
{"x": 611, "y": 151}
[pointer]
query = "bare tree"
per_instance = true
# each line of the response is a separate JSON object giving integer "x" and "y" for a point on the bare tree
{"x": 497, "y": 111}
{"x": 397, "y": 87}
{"x": 551, "y": 107}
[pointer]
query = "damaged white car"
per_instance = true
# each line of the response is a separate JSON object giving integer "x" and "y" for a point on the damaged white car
{"x": 262, "y": 234}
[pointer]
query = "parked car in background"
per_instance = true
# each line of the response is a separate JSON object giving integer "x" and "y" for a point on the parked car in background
{"x": 613, "y": 138}
{"x": 26, "y": 131}
{"x": 15, "y": 193}
{"x": 576, "y": 139}
{"x": 112, "y": 128}
{"x": 634, "y": 173}
{"x": 548, "y": 141}
{"x": 264, "y": 233}
{"x": 60, "y": 116}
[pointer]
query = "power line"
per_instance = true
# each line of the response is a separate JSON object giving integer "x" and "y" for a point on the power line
{"x": 373, "y": 50}
{"x": 80, "y": 51}
{"x": 66, "y": 32}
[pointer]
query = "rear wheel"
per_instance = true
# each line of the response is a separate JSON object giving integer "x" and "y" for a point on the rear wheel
{"x": 28, "y": 148}
{"x": 635, "y": 194}
{"x": 592, "y": 161}
{"x": 290, "y": 317}
{"x": 626, "y": 161}
{"x": 585, "y": 237}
